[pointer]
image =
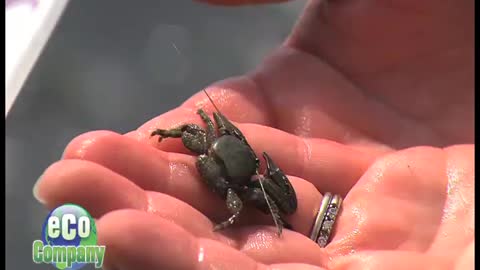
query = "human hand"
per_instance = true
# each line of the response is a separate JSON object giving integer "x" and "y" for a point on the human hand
{"x": 327, "y": 145}
{"x": 413, "y": 209}
{"x": 366, "y": 73}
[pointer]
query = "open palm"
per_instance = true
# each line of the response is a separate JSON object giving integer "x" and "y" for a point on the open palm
{"x": 365, "y": 99}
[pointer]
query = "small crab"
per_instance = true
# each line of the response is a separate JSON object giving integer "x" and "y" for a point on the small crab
{"x": 229, "y": 166}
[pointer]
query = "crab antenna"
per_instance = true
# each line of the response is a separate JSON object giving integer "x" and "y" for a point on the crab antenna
{"x": 260, "y": 180}
{"x": 211, "y": 100}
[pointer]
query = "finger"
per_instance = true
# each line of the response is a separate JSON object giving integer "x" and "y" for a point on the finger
{"x": 238, "y": 97}
{"x": 121, "y": 231}
{"x": 263, "y": 244}
{"x": 137, "y": 240}
{"x": 176, "y": 175}
{"x": 330, "y": 166}
{"x": 146, "y": 167}
{"x": 458, "y": 225}
{"x": 398, "y": 204}
{"x": 242, "y": 100}
{"x": 64, "y": 182}
{"x": 259, "y": 242}
{"x": 75, "y": 174}
{"x": 98, "y": 189}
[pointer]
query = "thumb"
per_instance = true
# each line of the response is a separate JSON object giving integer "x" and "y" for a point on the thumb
{"x": 240, "y": 2}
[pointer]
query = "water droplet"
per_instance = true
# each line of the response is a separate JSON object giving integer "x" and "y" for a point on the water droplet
{"x": 201, "y": 255}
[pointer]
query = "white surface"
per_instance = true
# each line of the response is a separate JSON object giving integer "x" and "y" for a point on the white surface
{"x": 27, "y": 28}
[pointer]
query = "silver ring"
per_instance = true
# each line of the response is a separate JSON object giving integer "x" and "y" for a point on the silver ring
{"x": 325, "y": 219}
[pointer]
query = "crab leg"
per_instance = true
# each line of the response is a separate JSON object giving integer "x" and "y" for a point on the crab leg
{"x": 234, "y": 205}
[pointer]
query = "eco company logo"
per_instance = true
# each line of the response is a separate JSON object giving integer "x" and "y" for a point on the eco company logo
{"x": 69, "y": 239}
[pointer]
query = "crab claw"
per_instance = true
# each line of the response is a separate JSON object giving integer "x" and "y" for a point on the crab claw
{"x": 158, "y": 132}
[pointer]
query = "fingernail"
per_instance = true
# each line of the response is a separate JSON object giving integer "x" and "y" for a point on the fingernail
{"x": 63, "y": 153}
{"x": 36, "y": 194}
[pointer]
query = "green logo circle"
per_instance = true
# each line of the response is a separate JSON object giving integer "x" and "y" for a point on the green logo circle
{"x": 69, "y": 239}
